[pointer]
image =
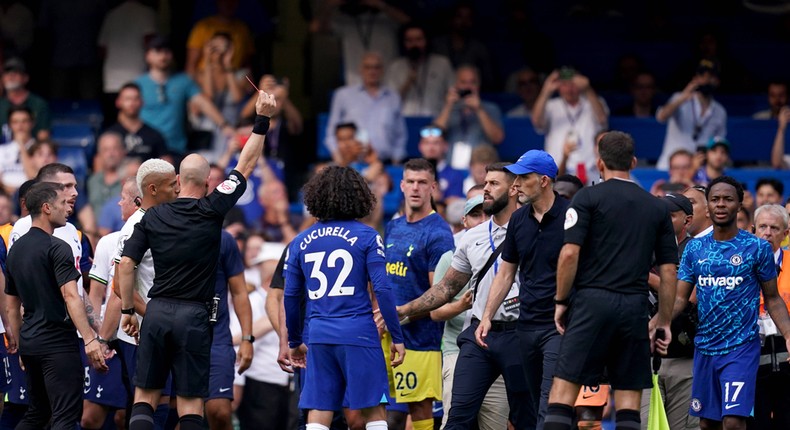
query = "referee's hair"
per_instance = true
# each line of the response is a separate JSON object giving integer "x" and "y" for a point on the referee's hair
{"x": 617, "y": 150}
{"x": 338, "y": 193}
{"x": 420, "y": 165}
{"x": 40, "y": 193}
{"x": 727, "y": 180}
{"x": 776, "y": 210}
{"x": 152, "y": 166}
{"x": 500, "y": 167}
{"x": 50, "y": 170}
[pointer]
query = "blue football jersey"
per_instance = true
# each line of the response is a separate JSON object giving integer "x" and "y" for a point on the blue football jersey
{"x": 330, "y": 264}
{"x": 230, "y": 264}
{"x": 728, "y": 276}
{"x": 413, "y": 250}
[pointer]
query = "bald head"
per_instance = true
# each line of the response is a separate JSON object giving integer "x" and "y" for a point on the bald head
{"x": 194, "y": 171}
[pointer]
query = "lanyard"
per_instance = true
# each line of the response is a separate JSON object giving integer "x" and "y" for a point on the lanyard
{"x": 491, "y": 243}
{"x": 699, "y": 122}
{"x": 365, "y": 29}
{"x": 573, "y": 118}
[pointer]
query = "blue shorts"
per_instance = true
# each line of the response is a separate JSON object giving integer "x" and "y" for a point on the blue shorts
{"x": 106, "y": 389}
{"x": 337, "y": 374}
{"x": 16, "y": 380}
{"x": 223, "y": 365}
{"x": 5, "y": 383}
{"x": 128, "y": 354}
{"x": 725, "y": 384}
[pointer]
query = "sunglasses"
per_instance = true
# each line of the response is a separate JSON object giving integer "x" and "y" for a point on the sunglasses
{"x": 431, "y": 132}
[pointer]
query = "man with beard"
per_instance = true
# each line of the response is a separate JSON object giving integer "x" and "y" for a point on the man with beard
{"x": 476, "y": 258}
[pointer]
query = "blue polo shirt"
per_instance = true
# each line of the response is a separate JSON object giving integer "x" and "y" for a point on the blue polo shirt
{"x": 535, "y": 247}
{"x": 165, "y": 107}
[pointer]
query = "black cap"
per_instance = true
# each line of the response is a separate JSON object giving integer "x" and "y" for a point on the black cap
{"x": 158, "y": 42}
{"x": 14, "y": 64}
{"x": 678, "y": 202}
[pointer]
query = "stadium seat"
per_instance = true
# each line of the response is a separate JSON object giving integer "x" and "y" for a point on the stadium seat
{"x": 76, "y": 112}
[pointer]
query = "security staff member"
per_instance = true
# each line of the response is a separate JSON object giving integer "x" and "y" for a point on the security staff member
{"x": 184, "y": 239}
{"x": 42, "y": 277}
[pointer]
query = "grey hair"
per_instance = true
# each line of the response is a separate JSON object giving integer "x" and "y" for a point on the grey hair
{"x": 774, "y": 209}
{"x": 154, "y": 165}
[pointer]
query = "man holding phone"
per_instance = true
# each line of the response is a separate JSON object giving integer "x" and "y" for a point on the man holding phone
{"x": 467, "y": 120}
{"x": 572, "y": 119}
{"x": 693, "y": 117}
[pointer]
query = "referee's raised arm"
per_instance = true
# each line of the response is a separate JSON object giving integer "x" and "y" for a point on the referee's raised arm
{"x": 265, "y": 107}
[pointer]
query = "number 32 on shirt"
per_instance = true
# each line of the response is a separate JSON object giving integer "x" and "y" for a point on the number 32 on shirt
{"x": 317, "y": 259}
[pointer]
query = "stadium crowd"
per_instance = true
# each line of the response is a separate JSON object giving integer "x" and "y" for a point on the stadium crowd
{"x": 418, "y": 99}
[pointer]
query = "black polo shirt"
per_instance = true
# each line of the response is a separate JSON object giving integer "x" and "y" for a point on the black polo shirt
{"x": 535, "y": 247}
{"x": 144, "y": 143}
{"x": 620, "y": 227}
{"x": 184, "y": 238}
{"x": 38, "y": 265}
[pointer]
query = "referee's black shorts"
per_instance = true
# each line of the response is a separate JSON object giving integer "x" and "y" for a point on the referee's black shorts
{"x": 606, "y": 330}
{"x": 177, "y": 335}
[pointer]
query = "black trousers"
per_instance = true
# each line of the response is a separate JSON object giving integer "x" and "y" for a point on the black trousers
{"x": 54, "y": 385}
{"x": 772, "y": 393}
{"x": 540, "y": 348}
{"x": 477, "y": 368}
{"x": 264, "y": 406}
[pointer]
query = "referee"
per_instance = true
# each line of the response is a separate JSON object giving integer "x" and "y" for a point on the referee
{"x": 184, "y": 239}
{"x": 612, "y": 232}
{"x": 42, "y": 277}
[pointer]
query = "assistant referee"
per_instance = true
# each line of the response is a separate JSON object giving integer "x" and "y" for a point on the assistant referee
{"x": 184, "y": 239}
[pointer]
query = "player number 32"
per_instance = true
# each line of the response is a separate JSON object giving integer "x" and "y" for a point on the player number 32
{"x": 317, "y": 258}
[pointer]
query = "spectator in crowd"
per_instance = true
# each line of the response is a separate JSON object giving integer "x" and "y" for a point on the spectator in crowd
{"x": 528, "y": 89}
{"x": 15, "y": 79}
{"x": 770, "y": 191}
{"x": 123, "y": 47}
{"x": 165, "y": 97}
{"x": 73, "y": 29}
{"x": 363, "y": 26}
{"x": 772, "y": 392}
{"x": 467, "y": 120}
{"x": 693, "y": 116}
{"x": 681, "y": 174}
{"x": 643, "y": 91}
{"x": 573, "y": 119}
{"x": 223, "y": 22}
{"x": 433, "y": 147}
{"x": 17, "y": 25}
{"x": 373, "y": 107}
{"x": 107, "y": 182}
{"x": 42, "y": 153}
{"x": 779, "y": 160}
{"x": 286, "y": 122}
{"x": 462, "y": 48}
{"x": 717, "y": 157}
{"x": 420, "y": 76}
{"x": 777, "y": 99}
{"x": 701, "y": 223}
{"x": 140, "y": 139}
{"x": 277, "y": 224}
{"x": 221, "y": 84}
{"x": 481, "y": 157}
{"x": 744, "y": 219}
{"x": 15, "y": 165}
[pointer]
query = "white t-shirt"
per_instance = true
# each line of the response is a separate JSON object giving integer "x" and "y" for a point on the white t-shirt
{"x": 144, "y": 274}
{"x": 103, "y": 269}
{"x": 122, "y": 34}
{"x": 687, "y": 123}
{"x": 562, "y": 120}
{"x": 264, "y": 367}
{"x": 426, "y": 96}
{"x": 12, "y": 172}
{"x": 472, "y": 253}
{"x": 362, "y": 33}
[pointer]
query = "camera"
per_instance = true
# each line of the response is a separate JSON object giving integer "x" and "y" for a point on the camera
{"x": 567, "y": 73}
{"x": 463, "y": 93}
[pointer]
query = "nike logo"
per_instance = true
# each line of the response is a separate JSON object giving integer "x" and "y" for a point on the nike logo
{"x": 222, "y": 390}
{"x": 390, "y": 245}
{"x": 702, "y": 261}
{"x": 587, "y": 396}
{"x": 731, "y": 406}
{"x": 480, "y": 243}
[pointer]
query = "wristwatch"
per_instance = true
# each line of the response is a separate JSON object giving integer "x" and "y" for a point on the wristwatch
{"x": 129, "y": 311}
{"x": 564, "y": 302}
{"x": 249, "y": 338}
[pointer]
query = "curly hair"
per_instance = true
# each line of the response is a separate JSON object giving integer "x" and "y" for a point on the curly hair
{"x": 338, "y": 193}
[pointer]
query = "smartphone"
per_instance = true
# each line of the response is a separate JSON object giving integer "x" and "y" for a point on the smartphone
{"x": 464, "y": 93}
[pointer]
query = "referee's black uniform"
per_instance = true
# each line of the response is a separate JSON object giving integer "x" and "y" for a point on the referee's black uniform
{"x": 184, "y": 238}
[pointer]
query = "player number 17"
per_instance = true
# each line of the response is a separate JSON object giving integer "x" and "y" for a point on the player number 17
{"x": 317, "y": 258}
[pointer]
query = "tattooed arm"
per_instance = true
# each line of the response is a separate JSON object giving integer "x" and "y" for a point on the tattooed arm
{"x": 91, "y": 311}
{"x": 439, "y": 294}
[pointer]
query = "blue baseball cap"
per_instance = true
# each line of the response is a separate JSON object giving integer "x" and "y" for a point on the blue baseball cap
{"x": 534, "y": 161}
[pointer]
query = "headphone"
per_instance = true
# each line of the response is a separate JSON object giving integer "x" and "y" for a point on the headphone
{"x": 138, "y": 201}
